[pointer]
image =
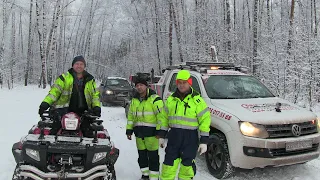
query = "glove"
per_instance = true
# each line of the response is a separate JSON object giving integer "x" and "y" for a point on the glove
{"x": 162, "y": 143}
{"x": 43, "y": 106}
{"x": 129, "y": 137}
{"x": 202, "y": 148}
{"x": 97, "y": 111}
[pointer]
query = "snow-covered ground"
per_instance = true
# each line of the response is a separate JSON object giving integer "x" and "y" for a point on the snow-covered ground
{"x": 19, "y": 111}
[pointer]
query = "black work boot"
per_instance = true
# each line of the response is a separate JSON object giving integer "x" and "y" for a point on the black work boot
{"x": 143, "y": 177}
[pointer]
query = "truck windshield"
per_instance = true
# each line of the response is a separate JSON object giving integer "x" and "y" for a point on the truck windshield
{"x": 117, "y": 82}
{"x": 235, "y": 87}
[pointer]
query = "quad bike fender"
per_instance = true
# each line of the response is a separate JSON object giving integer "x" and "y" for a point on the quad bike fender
{"x": 16, "y": 151}
{"x": 113, "y": 156}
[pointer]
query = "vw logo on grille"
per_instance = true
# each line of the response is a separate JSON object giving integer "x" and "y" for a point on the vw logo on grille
{"x": 296, "y": 130}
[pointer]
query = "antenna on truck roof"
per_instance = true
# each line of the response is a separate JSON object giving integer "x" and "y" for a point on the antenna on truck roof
{"x": 214, "y": 53}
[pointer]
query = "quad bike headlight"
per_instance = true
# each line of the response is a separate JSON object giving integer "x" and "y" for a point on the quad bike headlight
{"x": 98, "y": 156}
{"x": 34, "y": 154}
{"x": 253, "y": 130}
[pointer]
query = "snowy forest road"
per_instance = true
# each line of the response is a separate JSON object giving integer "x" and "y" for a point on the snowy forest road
{"x": 19, "y": 109}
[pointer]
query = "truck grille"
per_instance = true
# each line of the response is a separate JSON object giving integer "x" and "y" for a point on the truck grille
{"x": 285, "y": 130}
{"x": 121, "y": 93}
{"x": 283, "y": 152}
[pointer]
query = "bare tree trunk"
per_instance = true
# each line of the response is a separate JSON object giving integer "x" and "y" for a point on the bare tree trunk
{"x": 69, "y": 40}
{"x": 234, "y": 14}
{"x": 260, "y": 16}
{"x": 5, "y": 18}
{"x": 27, "y": 70}
{"x": 291, "y": 28}
{"x": 255, "y": 63}
{"x": 170, "y": 34}
{"x": 228, "y": 27}
{"x": 311, "y": 79}
{"x": 44, "y": 28}
{"x": 21, "y": 37}
{"x": 311, "y": 15}
{"x": 157, "y": 34}
{"x": 197, "y": 31}
{"x": 53, "y": 56}
{"x": 76, "y": 37}
{"x": 42, "y": 53}
{"x": 54, "y": 25}
{"x": 4, "y": 24}
{"x": 268, "y": 14}
{"x": 244, "y": 27}
{"x": 249, "y": 21}
{"x": 289, "y": 51}
{"x": 177, "y": 28}
{"x": 13, "y": 48}
{"x": 315, "y": 18}
{"x": 52, "y": 39}
{"x": 234, "y": 29}
{"x": 60, "y": 53}
{"x": 99, "y": 45}
{"x": 184, "y": 27}
{"x": 88, "y": 41}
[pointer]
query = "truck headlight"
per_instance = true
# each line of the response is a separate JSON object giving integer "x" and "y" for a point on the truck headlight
{"x": 318, "y": 123}
{"x": 98, "y": 156}
{"x": 34, "y": 154}
{"x": 253, "y": 130}
{"x": 109, "y": 92}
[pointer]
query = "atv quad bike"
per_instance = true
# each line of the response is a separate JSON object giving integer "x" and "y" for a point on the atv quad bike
{"x": 66, "y": 154}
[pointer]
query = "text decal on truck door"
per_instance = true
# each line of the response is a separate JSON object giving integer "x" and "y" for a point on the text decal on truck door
{"x": 220, "y": 114}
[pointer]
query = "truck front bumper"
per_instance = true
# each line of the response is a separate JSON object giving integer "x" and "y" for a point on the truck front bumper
{"x": 249, "y": 152}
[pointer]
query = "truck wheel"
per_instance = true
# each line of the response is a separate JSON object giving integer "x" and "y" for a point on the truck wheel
{"x": 217, "y": 157}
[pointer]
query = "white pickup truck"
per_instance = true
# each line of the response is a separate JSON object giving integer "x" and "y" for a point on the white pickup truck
{"x": 250, "y": 127}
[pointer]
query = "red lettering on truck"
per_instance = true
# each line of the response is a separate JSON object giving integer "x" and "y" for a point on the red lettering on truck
{"x": 220, "y": 114}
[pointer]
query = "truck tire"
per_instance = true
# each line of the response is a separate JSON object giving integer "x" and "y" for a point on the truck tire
{"x": 217, "y": 157}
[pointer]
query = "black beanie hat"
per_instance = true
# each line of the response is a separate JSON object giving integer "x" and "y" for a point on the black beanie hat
{"x": 140, "y": 80}
{"x": 78, "y": 58}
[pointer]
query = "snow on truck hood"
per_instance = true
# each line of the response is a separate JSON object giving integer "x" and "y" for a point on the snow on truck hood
{"x": 262, "y": 110}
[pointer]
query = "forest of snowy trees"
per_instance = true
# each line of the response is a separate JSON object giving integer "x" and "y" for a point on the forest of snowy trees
{"x": 277, "y": 39}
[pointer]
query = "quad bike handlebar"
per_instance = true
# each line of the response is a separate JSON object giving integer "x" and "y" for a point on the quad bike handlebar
{"x": 52, "y": 115}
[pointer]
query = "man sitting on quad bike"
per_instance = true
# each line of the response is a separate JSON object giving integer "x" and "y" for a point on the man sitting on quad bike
{"x": 74, "y": 91}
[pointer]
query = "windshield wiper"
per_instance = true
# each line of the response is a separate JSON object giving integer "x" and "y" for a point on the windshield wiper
{"x": 223, "y": 98}
{"x": 260, "y": 96}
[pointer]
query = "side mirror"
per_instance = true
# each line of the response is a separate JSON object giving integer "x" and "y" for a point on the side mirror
{"x": 102, "y": 84}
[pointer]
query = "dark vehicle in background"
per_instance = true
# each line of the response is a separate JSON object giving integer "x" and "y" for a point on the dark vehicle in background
{"x": 115, "y": 91}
